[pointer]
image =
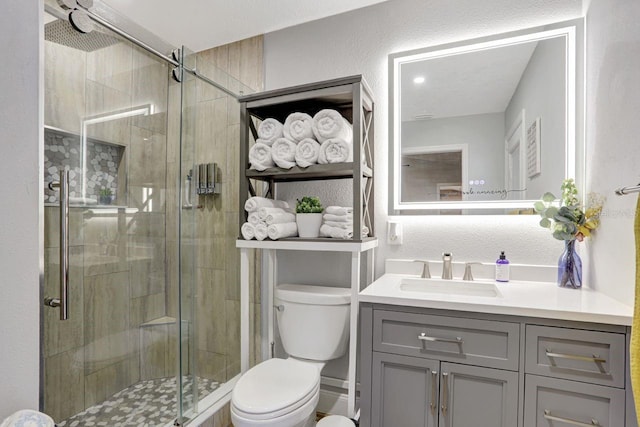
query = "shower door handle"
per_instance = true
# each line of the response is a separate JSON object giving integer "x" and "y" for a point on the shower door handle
{"x": 63, "y": 301}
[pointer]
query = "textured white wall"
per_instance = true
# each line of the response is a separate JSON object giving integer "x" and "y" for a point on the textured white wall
{"x": 359, "y": 42}
{"x": 21, "y": 249}
{"x": 613, "y": 109}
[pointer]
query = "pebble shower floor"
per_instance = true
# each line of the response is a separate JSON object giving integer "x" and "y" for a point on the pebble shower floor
{"x": 149, "y": 403}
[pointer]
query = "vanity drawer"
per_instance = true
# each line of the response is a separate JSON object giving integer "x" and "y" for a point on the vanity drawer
{"x": 551, "y": 402}
{"x": 574, "y": 354}
{"x": 471, "y": 341}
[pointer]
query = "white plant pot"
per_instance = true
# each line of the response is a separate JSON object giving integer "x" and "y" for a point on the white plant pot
{"x": 309, "y": 224}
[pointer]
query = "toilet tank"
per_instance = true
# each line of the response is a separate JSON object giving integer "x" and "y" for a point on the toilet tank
{"x": 313, "y": 321}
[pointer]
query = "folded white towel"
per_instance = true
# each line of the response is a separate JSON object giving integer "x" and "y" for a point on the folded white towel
{"x": 253, "y": 218}
{"x": 340, "y": 233}
{"x": 260, "y": 157}
{"x": 298, "y": 126}
{"x": 335, "y": 233}
{"x": 307, "y": 152}
{"x": 335, "y": 150}
{"x": 266, "y": 211}
{"x": 338, "y": 218}
{"x": 261, "y": 231}
{"x": 283, "y": 152}
{"x": 338, "y": 210}
{"x": 248, "y": 231}
{"x": 329, "y": 124}
{"x": 256, "y": 202}
{"x": 280, "y": 231}
{"x": 270, "y": 130}
{"x": 28, "y": 418}
{"x": 337, "y": 224}
{"x": 280, "y": 218}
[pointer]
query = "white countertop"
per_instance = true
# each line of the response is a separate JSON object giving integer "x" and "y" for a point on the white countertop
{"x": 518, "y": 298}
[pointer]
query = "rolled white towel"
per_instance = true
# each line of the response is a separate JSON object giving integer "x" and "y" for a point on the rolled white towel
{"x": 338, "y": 218}
{"x": 28, "y": 418}
{"x": 280, "y": 231}
{"x": 338, "y": 210}
{"x": 256, "y": 202}
{"x": 261, "y": 231}
{"x": 280, "y": 218}
{"x": 283, "y": 153}
{"x": 264, "y": 212}
{"x": 260, "y": 157}
{"x": 298, "y": 126}
{"x": 248, "y": 231}
{"x": 270, "y": 130}
{"x": 335, "y": 150}
{"x": 337, "y": 224}
{"x": 254, "y": 218}
{"x": 335, "y": 233}
{"x": 329, "y": 124}
{"x": 307, "y": 152}
{"x": 82, "y": 201}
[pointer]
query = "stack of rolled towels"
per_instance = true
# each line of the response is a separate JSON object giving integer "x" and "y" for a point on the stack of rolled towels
{"x": 268, "y": 218}
{"x": 337, "y": 223}
{"x": 302, "y": 140}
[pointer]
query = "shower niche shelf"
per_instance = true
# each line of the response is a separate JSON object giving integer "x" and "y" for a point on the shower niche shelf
{"x": 98, "y": 163}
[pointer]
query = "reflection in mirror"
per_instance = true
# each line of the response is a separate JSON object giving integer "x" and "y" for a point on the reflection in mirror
{"x": 483, "y": 124}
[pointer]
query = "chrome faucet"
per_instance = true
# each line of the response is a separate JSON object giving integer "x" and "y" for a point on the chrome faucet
{"x": 447, "y": 273}
{"x": 426, "y": 274}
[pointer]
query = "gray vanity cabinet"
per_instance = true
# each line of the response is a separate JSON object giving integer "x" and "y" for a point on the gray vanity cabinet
{"x": 416, "y": 392}
{"x": 405, "y": 391}
{"x": 437, "y": 368}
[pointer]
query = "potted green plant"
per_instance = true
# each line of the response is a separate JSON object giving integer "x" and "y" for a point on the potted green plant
{"x": 105, "y": 196}
{"x": 309, "y": 216}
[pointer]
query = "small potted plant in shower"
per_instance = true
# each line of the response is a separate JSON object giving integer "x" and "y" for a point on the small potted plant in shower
{"x": 309, "y": 217}
{"x": 105, "y": 196}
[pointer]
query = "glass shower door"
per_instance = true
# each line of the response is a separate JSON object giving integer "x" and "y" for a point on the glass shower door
{"x": 114, "y": 360}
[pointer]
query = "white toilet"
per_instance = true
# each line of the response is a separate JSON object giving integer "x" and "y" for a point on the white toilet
{"x": 314, "y": 326}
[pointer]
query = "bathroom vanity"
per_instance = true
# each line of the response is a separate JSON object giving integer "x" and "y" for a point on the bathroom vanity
{"x": 456, "y": 360}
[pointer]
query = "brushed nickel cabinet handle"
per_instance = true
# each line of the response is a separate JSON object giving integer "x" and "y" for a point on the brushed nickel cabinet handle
{"x": 434, "y": 392}
{"x": 423, "y": 337}
{"x": 595, "y": 358}
{"x": 548, "y": 416}
{"x": 445, "y": 393}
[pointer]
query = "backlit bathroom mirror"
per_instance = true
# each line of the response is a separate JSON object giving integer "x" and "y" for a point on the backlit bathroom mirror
{"x": 486, "y": 125}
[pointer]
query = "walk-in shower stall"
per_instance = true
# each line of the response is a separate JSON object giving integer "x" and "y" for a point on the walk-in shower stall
{"x": 141, "y": 317}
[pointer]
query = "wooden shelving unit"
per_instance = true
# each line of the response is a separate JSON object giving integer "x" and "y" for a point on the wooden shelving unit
{"x": 352, "y": 98}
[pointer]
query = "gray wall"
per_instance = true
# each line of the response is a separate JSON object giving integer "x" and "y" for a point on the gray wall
{"x": 358, "y": 43}
{"x": 21, "y": 136}
{"x": 541, "y": 94}
{"x": 613, "y": 150}
{"x": 484, "y": 135}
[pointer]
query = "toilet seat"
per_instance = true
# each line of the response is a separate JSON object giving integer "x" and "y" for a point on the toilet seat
{"x": 274, "y": 388}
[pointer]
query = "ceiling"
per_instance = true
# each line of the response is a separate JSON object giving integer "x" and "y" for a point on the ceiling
{"x": 202, "y": 24}
{"x": 476, "y": 82}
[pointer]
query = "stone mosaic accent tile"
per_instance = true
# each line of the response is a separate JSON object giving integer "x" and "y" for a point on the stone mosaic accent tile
{"x": 102, "y": 165}
{"x": 145, "y": 404}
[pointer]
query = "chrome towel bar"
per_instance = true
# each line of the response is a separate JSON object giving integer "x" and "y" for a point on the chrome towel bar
{"x": 627, "y": 190}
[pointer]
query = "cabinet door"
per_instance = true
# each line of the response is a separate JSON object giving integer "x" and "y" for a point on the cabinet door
{"x": 478, "y": 397}
{"x": 405, "y": 391}
{"x": 551, "y": 401}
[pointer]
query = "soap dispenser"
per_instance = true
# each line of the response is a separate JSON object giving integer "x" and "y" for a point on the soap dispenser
{"x": 502, "y": 268}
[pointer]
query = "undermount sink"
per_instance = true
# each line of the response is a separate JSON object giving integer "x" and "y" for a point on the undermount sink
{"x": 449, "y": 287}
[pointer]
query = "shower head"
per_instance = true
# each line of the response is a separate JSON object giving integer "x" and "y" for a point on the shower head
{"x": 61, "y": 32}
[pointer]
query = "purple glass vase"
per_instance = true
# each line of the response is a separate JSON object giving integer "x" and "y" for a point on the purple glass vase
{"x": 570, "y": 267}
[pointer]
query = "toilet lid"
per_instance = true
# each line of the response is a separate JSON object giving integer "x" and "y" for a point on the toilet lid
{"x": 274, "y": 385}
